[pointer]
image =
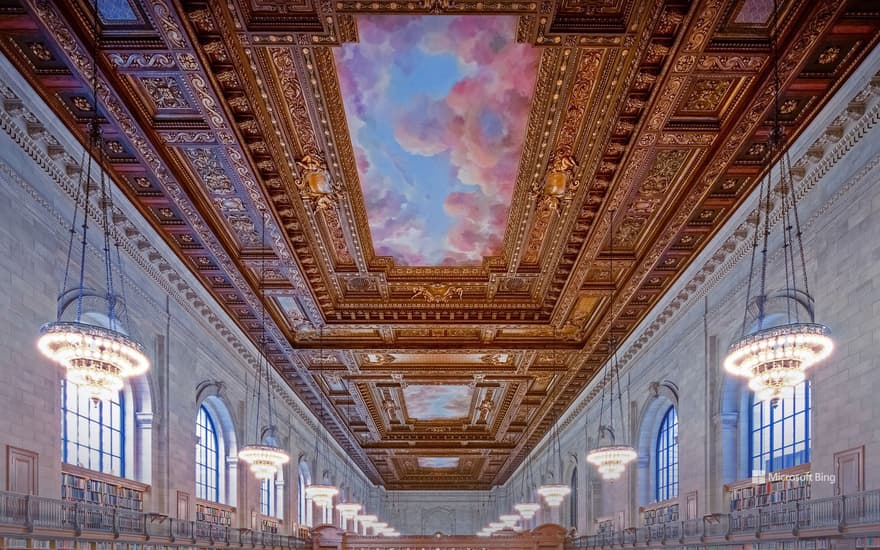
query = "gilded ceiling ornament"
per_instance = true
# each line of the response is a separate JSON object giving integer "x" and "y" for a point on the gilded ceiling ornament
{"x": 81, "y": 103}
{"x": 707, "y": 94}
{"x": 239, "y": 104}
{"x": 316, "y": 185}
{"x": 788, "y": 106}
{"x": 165, "y": 92}
{"x": 496, "y": 359}
{"x": 40, "y": 51}
{"x": 829, "y": 55}
{"x": 556, "y": 190}
{"x": 437, "y": 293}
{"x": 142, "y": 60}
{"x": 374, "y": 359}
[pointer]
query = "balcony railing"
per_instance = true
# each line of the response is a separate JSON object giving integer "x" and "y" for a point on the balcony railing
{"x": 29, "y": 513}
{"x": 836, "y": 513}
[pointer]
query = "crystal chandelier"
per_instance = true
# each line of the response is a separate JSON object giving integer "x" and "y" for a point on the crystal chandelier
{"x": 610, "y": 459}
{"x": 348, "y": 510}
{"x": 367, "y": 520}
{"x": 97, "y": 358}
{"x": 554, "y": 493}
{"x": 527, "y": 509}
{"x": 322, "y": 495}
{"x": 509, "y": 519}
{"x": 264, "y": 458}
{"x": 776, "y": 351}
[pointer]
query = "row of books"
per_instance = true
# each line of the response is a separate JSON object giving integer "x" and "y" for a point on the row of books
{"x": 269, "y": 525}
{"x": 209, "y": 514}
{"x": 662, "y": 514}
{"x": 791, "y": 488}
{"x": 79, "y": 488}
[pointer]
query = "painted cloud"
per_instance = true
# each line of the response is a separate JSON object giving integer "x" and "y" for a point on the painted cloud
{"x": 438, "y": 462}
{"x": 437, "y": 108}
{"x": 437, "y": 402}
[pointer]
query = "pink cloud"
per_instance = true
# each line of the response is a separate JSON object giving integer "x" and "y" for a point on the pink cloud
{"x": 479, "y": 125}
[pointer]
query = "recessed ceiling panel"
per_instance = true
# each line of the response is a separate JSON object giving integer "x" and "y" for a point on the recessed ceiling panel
{"x": 428, "y": 402}
{"x": 437, "y": 109}
{"x": 438, "y": 462}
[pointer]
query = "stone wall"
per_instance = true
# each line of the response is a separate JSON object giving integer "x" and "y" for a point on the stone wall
{"x": 675, "y": 355}
{"x": 196, "y": 350}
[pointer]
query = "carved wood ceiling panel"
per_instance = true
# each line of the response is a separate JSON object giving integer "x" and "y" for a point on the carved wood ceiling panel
{"x": 440, "y": 376}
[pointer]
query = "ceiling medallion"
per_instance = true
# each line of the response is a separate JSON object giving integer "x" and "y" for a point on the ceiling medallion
{"x": 776, "y": 348}
{"x": 97, "y": 358}
{"x": 558, "y": 188}
{"x": 437, "y": 293}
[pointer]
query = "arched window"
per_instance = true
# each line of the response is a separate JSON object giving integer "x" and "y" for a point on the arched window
{"x": 667, "y": 457}
{"x": 207, "y": 458}
{"x": 304, "y": 507}
{"x": 92, "y": 432}
{"x": 573, "y": 497}
{"x": 780, "y": 433}
{"x": 268, "y": 498}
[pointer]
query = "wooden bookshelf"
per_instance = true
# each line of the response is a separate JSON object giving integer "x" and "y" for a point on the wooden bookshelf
{"x": 604, "y": 525}
{"x": 82, "y": 485}
{"x": 793, "y": 486}
{"x": 269, "y": 524}
{"x": 660, "y": 512}
{"x": 214, "y": 513}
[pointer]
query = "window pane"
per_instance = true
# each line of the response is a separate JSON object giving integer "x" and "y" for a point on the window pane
{"x": 781, "y": 433}
{"x": 666, "y": 457}
{"x": 91, "y": 437}
{"x": 207, "y": 457}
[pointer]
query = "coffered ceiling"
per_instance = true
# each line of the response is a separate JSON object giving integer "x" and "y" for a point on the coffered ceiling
{"x": 438, "y": 177}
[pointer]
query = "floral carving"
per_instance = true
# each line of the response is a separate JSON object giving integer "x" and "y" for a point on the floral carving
{"x": 165, "y": 92}
{"x": 437, "y": 293}
{"x": 707, "y": 94}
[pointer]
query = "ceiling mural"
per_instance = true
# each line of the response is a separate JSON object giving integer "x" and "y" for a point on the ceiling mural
{"x": 437, "y": 109}
{"x": 437, "y": 402}
{"x": 439, "y": 178}
{"x": 438, "y": 462}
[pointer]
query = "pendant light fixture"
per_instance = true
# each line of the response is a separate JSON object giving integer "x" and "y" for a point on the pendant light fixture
{"x": 321, "y": 493}
{"x": 97, "y": 358}
{"x": 527, "y": 508}
{"x": 611, "y": 459}
{"x": 264, "y": 456}
{"x": 775, "y": 352}
{"x": 348, "y": 510}
{"x": 554, "y": 493}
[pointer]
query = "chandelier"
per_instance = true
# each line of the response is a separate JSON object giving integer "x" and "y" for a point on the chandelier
{"x": 367, "y": 520}
{"x": 610, "y": 459}
{"x": 554, "y": 494}
{"x": 775, "y": 352}
{"x": 96, "y": 358}
{"x": 527, "y": 509}
{"x": 348, "y": 510}
{"x": 264, "y": 458}
{"x": 509, "y": 519}
{"x": 322, "y": 495}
